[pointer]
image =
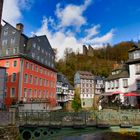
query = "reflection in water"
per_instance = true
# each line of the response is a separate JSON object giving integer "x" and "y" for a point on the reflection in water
{"x": 106, "y": 136}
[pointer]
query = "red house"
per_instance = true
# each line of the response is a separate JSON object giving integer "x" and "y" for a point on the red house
{"x": 31, "y": 76}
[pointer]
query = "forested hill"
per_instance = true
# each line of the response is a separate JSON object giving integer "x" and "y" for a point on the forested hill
{"x": 101, "y": 63}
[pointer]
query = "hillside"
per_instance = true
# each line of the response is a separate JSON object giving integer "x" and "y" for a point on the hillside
{"x": 101, "y": 63}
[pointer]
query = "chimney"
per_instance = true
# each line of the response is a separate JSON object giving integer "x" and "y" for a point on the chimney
{"x": 20, "y": 27}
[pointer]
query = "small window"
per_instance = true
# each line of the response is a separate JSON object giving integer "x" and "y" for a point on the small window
{"x": 137, "y": 68}
{"x": 14, "y": 50}
{"x": 4, "y": 42}
{"x": 42, "y": 51}
{"x": 31, "y": 79}
{"x": 138, "y": 84}
{"x": 6, "y": 78}
{"x": 27, "y": 65}
{"x": 33, "y": 55}
{"x": 12, "y": 40}
{"x": 40, "y": 70}
{"x": 25, "y": 92}
{"x": 5, "y": 32}
{"x": 125, "y": 83}
{"x": 40, "y": 81}
{"x": 25, "y": 78}
{"x": 36, "y": 68}
{"x": 15, "y": 63}
{"x": 30, "y": 93}
{"x": 38, "y": 57}
{"x": 34, "y": 45}
{"x": 83, "y": 103}
{"x": 7, "y": 64}
{"x": 38, "y": 48}
{"x": 13, "y": 77}
{"x": 7, "y": 51}
{"x": 12, "y": 92}
{"x": 31, "y": 66}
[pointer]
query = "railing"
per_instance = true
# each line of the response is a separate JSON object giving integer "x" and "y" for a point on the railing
{"x": 79, "y": 118}
{"x": 58, "y": 118}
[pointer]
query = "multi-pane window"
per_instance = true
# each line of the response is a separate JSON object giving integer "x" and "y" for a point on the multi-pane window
{"x": 125, "y": 83}
{"x": 25, "y": 78}
{"x": 27, "y": 65}
{"x": 111, "y": 84}
{"x": 38, "y": 57}
{"x": 25, "y": 92}
{"x": 15, "y": 63}
{"x": 12, "y": 40}
{"x": 38, "y": 47}
{"x": 34, "y": 45}
{"x": 136, "y": 54}
{"x": 36, "y": 68}
{"x": 31, "y": 67}
{"x": 4, "y": 42}
{"x": 14, "y": 50}
{"x": 5, "y": 32}
{"x": 7, "y": 51}
{"x": 30, "y": 92}
{"x": 117, "y": 83}
{"x": 7, "y": 64}
{"x": 40, "y": 81}
{"x": 31, "y": 79}
{"x": 40, "y": 70}
{"x": 33, "y": 54}
{"x": 13, "y": 77}
{"x": 137, "y": 66}
{"x": 138, "y": 84}
{"x": 12, "y": 92}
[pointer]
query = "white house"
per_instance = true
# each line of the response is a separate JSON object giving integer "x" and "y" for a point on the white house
{"x": 125, "y": 80}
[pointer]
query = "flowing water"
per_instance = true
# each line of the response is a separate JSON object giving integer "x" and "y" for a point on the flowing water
{"x": 106, "y": 136}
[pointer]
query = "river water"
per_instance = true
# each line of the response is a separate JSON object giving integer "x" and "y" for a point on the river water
{"x": 106, "y": 136}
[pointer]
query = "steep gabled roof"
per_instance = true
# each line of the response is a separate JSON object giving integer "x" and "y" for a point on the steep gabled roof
{"x": 123, "y": 73}
{"x": 6, "y": 23}
{"x": 86, "y": 75}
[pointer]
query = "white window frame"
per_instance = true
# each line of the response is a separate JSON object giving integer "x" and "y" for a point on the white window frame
{"x": 12, "y": 94}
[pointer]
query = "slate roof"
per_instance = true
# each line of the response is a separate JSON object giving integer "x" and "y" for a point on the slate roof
{"x": 124, "y": 73}
{"x": 86, "y": 75}
{"x": 62, "y": 78}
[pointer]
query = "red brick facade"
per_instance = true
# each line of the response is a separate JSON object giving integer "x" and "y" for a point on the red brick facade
{"x": 28, "y": 81}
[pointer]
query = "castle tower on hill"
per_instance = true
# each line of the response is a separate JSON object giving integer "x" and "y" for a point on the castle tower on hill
{"x": 88, "y": 50}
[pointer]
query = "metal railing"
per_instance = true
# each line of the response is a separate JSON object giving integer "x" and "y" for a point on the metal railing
{"x": 91, "y": 118}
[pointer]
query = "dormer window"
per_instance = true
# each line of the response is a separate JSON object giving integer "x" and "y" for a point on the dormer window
{"x": 137, "y": 68}
{"x": 34, "y": 45}
{"x": 136, "y": 54}
{"x": 5, "y": 33}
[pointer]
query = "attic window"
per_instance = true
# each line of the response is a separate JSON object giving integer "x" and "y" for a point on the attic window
{"x": 13, "y": 32}
{"x": 38, "y": 47}
{"x": 5, "y": 32}
{"x": 34, "y": 45}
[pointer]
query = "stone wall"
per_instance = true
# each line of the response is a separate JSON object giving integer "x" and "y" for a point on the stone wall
{"x": 9, "y": 133}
